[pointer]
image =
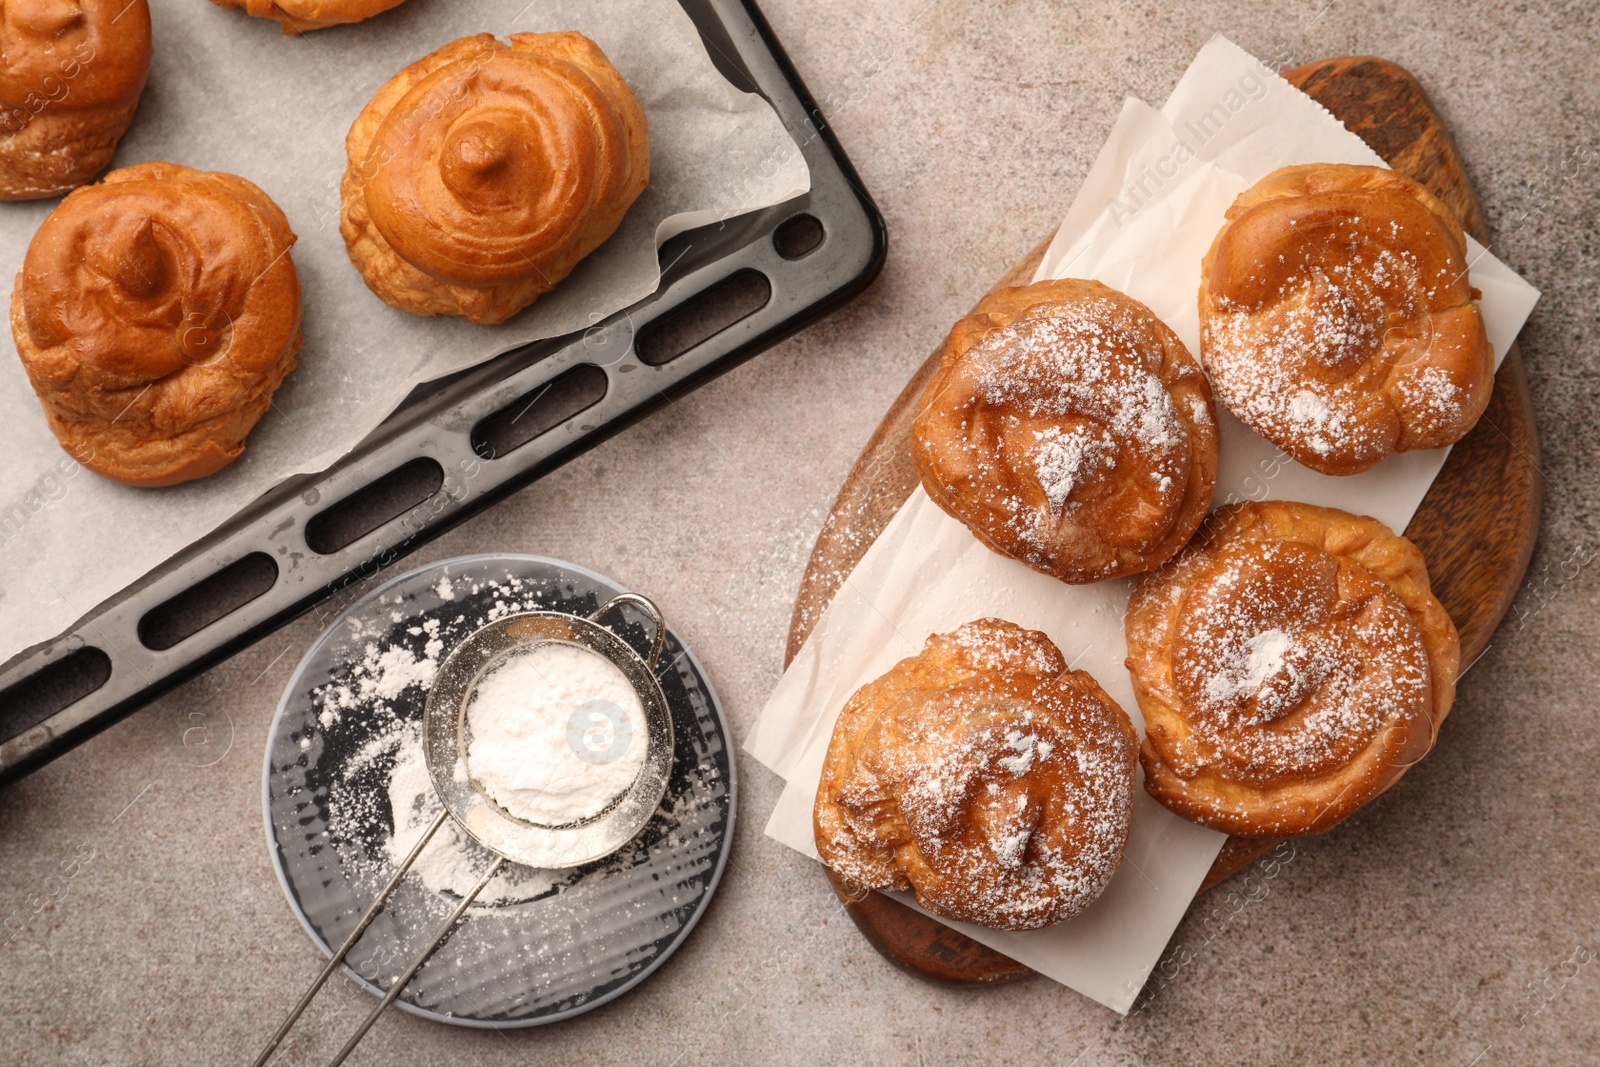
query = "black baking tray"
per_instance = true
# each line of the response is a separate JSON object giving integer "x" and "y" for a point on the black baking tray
{"x": 458, "y": 445}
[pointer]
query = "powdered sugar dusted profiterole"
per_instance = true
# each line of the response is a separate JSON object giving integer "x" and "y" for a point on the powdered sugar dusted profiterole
{"x": 1069, "y": 428}
{"x": 1338, "y": 319}
{"x": 1291, "y": 665}
{"x": 983, "y": 774}
{"x": 516, "y": 713}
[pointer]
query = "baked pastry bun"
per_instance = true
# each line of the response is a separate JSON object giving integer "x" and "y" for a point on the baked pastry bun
{"x": 481, "y": 174}
{"x": 983, "y": 775}
{"x": 1069, "y": 428}
{"x": 298, "y": 16}
{"x": 1291, "y": 665}
{"x": 71, "y": 72}
{"x": 1337, "y": 319}
{"x": 156, "y": 312}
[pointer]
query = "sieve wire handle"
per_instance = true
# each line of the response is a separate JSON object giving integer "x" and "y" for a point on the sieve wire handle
{"x": 350, "y": 942}
{"x": 649, "y": 607}
{"x": 416, "y": 964}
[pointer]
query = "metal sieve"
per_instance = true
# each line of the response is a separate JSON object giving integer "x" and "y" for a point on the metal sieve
{"x": 445, "y": 726}
{"x": 445, "y": 733}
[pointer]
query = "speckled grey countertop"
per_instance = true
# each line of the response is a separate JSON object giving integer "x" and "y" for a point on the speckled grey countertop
{"x": 1454, "y": 921}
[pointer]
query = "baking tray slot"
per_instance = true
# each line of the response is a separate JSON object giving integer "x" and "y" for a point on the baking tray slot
{"x": 60, "y": 685}
{"x": 374, "y": 506}
{"x": 537, "y": 413}
{"x": 207, "y": 601}
{"x": 691, "y": 324}
{"x": 798, "y": 237}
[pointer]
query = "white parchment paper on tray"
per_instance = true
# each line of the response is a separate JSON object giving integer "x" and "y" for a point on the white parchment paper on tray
{"x": 233, "y": 93}
{"x": 1144, "y": 218}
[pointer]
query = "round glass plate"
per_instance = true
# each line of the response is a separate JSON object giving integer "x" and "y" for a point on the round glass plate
{"x": 543, "y": 945}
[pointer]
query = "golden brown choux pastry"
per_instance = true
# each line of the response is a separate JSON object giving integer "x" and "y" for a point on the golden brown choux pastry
{"x": 481, "y": 174}
{"x": 71, "y": 72}
{"x": 298, "y": 16}
{"x": 1337, "y": 319}
{"x": 1291, "y": 664}
{"x": 983, "y": 775}
{"x": 156, "y": 312}
{"x": 1069, "y": 428}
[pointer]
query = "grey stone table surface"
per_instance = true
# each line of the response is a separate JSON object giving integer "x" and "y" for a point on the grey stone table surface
{"x": 1454, "y": 921}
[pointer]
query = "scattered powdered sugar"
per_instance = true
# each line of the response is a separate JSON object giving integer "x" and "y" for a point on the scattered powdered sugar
{"x": 1291, "y": 369}
{"x": 405, "y": 801}
{"x": 1009, "y": 840}
{"x": 1065, "y": 458}
{"x": 382, "y": 673}
{"x": 1023, "y": 744}
{"x": 1320, "y": 425}
{"x": 349, "y": 801}
{"x": 1433, "y": 393}
{"x": 398, "y": 668}
{"x": 555, "y": 734}
{"x": 1081, "y": 361}
{"x": 988, "y": 647}
{"x": 379, "y": 692}
{"x": 1263, "y": 656}
{"x": 949, "y": 776}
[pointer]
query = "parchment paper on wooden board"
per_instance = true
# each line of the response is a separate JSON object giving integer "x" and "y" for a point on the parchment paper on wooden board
{"x": 233, "y": 93}
{"x": 1144, "y": 218}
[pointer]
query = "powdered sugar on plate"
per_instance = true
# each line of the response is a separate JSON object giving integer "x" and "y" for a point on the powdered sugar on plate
{"x": 451, "y": 863}
{"x": 381, "y": 689}
{"x": 345, "y": 803}
{"x": 385, "y": 670}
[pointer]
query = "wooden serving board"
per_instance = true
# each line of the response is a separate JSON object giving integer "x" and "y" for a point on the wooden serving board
{"x": 1476, "y": 526}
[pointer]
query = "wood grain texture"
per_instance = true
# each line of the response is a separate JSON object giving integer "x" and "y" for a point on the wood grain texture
{"x": 1476, "y": 527}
